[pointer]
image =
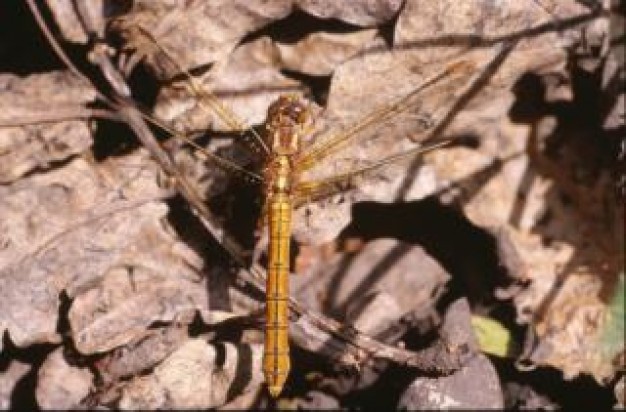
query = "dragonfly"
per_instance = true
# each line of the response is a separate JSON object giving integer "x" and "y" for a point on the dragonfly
{"x": 283, "y": 143}
{"x": 289, "y": 152}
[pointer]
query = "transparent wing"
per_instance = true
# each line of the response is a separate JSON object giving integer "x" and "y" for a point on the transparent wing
{"x": 316, "y": 189}
{"x": 206, "y": 100}
{"x": 459, "y": 96}
{"x": 336, "y": 142}
{"x": 212, "y": 157}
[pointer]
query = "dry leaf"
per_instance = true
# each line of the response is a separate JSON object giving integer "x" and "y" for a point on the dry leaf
{"x": 401, "y": 271}
{"x": 319, "y": 53}
{"x": 61, "y": 385}
{"x": 126, "y": 302}
{"x": 37, "y": 146}
{"x": 191, "y": 378}
{"x": 197, "y": 34}
{"x": 65, "y": 229}
{"x": 132, "y": 359}
{"x": 65, "y": 16}
{"x": 10, "y": 377}
{"x": 247, "y": 84}
{"x": 475, "y": 386}
{"x": 357, "y": 12}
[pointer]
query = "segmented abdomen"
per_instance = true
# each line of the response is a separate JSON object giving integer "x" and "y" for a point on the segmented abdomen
{"x": 276, "y": 362}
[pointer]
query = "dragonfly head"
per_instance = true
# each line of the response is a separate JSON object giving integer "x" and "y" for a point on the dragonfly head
{"x": 288, "y": 119}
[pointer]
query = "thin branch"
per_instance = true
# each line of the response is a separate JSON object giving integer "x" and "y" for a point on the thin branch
{"x": 58, "y": 49}
{"x": 57, "y": 114}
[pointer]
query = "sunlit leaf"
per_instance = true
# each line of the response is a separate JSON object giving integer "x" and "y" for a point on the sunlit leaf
{"x": 493, "y": 337}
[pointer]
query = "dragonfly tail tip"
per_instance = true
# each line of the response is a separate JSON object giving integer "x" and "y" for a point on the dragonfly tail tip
{"x": 275, "y": 390}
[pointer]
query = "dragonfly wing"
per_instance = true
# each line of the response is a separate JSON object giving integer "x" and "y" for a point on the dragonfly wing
{"x": 317, "y": 189}
{"x": 204, "y": 98}
{"x": 336, "y": 142}
{"x": 443, "y": 101}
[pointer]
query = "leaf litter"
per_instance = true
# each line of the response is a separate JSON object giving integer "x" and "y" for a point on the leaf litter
{"x": 98, "y": 231}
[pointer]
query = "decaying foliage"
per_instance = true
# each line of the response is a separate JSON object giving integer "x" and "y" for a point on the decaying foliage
{"x": 155, "y": 318}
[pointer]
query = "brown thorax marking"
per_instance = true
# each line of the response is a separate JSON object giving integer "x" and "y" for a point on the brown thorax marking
{"x": 288, "y": 120}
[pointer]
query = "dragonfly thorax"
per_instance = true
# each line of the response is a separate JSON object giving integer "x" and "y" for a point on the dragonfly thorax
{"x": 288, "y": 119}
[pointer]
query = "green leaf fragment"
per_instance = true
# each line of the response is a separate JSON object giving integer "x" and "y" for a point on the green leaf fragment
{"x": 493, "y": 337}
{"x": 612, "y": 335}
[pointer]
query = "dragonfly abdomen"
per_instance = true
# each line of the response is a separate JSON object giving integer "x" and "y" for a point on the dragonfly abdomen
{"x": 276, "y": 363}
{"x": 286, "y": 123}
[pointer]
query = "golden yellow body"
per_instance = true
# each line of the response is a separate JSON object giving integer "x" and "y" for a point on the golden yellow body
{"x": 285, "y": 124}
{"x": 276, "y": 360}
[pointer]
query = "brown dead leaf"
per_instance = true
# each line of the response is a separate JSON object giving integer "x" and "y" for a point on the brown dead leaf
{"x": 319, "y": 53}
{"x": 132, "y": 359}
{"x": 126, "y": 302}
{"x": 61, "y": 385}
{"x": 403, "y": 272}
{"x": 249, "y": 81}
{"x": 36, "y": 146}
{"x": 65, "y": 229}
{"x": 197, "y": 34}
{"x": 65, "y": 16}
{"x": 190, "y": 378}
{"x": 363, "y": 13}
{"x": 11, "y": 376}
